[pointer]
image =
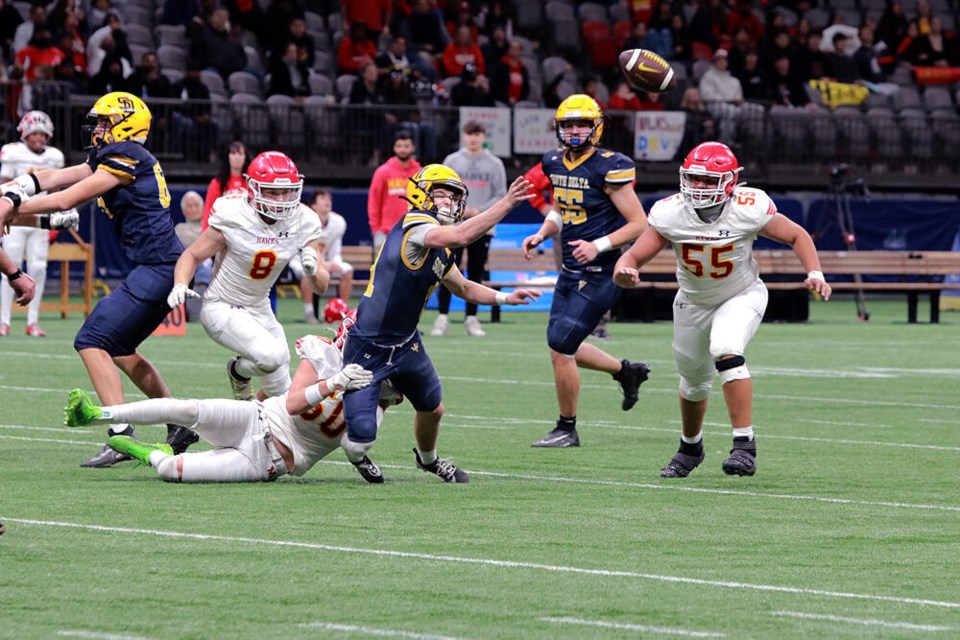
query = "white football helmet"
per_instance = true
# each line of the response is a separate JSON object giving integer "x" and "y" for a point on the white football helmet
{"x": 35, "y": 122}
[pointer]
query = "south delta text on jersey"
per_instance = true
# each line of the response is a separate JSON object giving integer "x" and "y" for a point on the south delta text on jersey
{"x": 140, "y": 210}
{"x": 578, "y": 190}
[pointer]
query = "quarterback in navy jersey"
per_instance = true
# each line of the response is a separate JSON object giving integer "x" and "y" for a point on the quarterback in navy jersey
{"x": 130, "y": 188}
{"x": 598, "y": 212}
{"x": 415, "y": 258}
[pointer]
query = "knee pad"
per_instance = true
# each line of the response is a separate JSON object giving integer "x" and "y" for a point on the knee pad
{"x": 731, "y": 369}
{"x": 694, "y": 392}
{"x": 270, "y": 362}
{"x": 35, "y": 266}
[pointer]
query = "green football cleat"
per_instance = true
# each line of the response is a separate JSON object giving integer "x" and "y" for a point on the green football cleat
{"x": 136, "y": 449}
{"x": 80, "y": 410}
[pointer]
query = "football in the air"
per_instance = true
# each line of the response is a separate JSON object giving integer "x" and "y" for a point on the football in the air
{"x": 647, "y": 71}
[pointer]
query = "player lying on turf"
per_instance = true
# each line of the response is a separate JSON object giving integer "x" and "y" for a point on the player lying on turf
{"x": 256, "y": 441}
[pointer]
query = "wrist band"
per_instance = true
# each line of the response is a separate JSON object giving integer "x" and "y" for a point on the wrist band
{"x": 603, "y": 244}
{"x": 312, "y": 394}
{"x": 14, "y": 198}
{"x": 555, "y": 218}
{"x": 816, "y": 275}
{"x": 501, "y": 298}
{"x": 13, "y": 276}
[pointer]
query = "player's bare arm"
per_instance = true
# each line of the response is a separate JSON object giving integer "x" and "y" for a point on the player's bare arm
{"x": 95, "y": 184}
{"x": 625, "y": 199}
{"x": 460, "y": 235}
{"x": 552, "y": 223}
{"x": 480, "y": 294}
{"x": 626, "y": 273}
{"x": 210, "y": 243}
{"x": 783, "y": 229}
{"x": 23, "y": 285}
{"x": 306, "y": 384}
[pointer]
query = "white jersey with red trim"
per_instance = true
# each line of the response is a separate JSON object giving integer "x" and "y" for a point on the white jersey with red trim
{"x": 16, "y": 158}
{"x": 256, "y": 252}
{"x": 714, "y": 259}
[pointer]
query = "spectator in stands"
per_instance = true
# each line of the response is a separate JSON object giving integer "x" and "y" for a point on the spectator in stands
{"x": 722, "y": 94}
{"x": 867, "y": 56}
{"x": 289, "y": 76}
{"x": 110, "y": 39}
{"x": 591, "y": 87}
{"x": 893, "y": 25}
{"x": 682, "y": 39}
{"x": 191, "y": 204}
{"x": 373, "y": 13}
{"x": 784, "y": 88}
{"x": 305, "y": 45}
{"x": 744, "y": 18}
{"x": 100, "y": 9}
{"x": 424, "y": 30}
{"x": 249, "y": 15}
{"x": 777, "y": 46}
{"x": 40, "y": 51}
{"x": 840, "y": 66}
{"x": 396, "y": 92}
{"x": 9, "y": 21}
{"x": 486, "y": 179}
{"x": 509, "y": 80}
{"x": 24, "y": 32}
{"x": 699, "y": 125}
{"x": 659, "y": 35}
{"x": 179, "y": 12}
{"x": 72, "y": 43}
{"x": 461, "y": 51}
{"x": 811, "y": 63}
{"x": 640, "y": 38}
{"x": 57, "y": 16}
{"x": 110, "y": 78}
{"x": 463, "y": 18}
{"x": 473, "y": 90}
{"x": 356, "y": 50}
{"x": 279, "y": 15}
{"x": 216, "y": 46}
{"x": 709, "y": 23}
{"x": 624, "y": 99}
{"x": 193, "y": 126}
{"x": 74, "y": 78}
{"x": 928, "y": 50}
{"x": 147, "y": 81}
{"x": 229, "y": 179}
{"x": 388, "y": 187}
{"x": 924, "y": 18}
{"x": 496, "y": 47}
{"x": 495, "y": 14}
{"x": 752, "y": 78}
{"x": 371, "y": 126}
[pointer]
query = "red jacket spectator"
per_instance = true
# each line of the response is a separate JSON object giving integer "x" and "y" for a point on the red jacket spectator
{"x": 372, "y": 13}
{"x": 461, "y": 52}
{"x": 744, "y": 18}
{"x": 356, "y": 50}
{"x": 39, "y": 51}
{"x": 624, "y": 100}
{"x": 385, "y": 203}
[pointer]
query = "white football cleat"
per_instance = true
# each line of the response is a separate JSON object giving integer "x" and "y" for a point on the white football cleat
{"x": 471, "y": 327}
{"x": 440, "y": 326}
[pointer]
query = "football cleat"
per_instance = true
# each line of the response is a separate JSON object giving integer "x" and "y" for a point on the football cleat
{"x": 471, "y": 327}
{"x": 440, "y": 326}
{"x": 4, "y": 329}
{"x": 630, "y": 377}
{"x": 559, "y": 439}
{"x": 743, "y": 458}
{"x": 242, "y": 387}
{"x": 133, "y": 448}
{"x": 446, "y": 470}
{"x": 107, "y": 457}
{"x": 369, "y": 470}
{"x": 80, "y": 410}
{"x": 181, "y": 439}
{"x": 35, "y": 331}
{"x": 682, "y": 464}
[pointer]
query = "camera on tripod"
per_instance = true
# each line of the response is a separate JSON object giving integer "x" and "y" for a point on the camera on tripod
{"x": 841, "y": 183}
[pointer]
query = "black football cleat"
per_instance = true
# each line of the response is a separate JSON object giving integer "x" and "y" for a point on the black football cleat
{"x": 107, "y": 457}
{"x": 369, "y": 470}
{"x": 630, "y": 377}
{"x": 444, "y": 469}
{"x": 181, "y": 439}
{"x": 743, "y": 458}
{"x": 559, "y": 439}
{"x": 681, "y": 464}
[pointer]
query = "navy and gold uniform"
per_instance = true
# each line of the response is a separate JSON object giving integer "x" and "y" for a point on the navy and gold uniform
{"x": 385, "y": 339}
{"x": 141, "y": 215}
{"x": 584, "y": 292}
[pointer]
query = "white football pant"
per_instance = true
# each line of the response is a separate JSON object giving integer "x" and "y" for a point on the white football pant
{"x": 35, "y": 244}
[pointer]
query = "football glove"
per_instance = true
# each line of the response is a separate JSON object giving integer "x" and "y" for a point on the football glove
{"x": 308, "y": 258}
{"x": 350, "y": 378}
{"x": 65, "y": 219}
{"x": 179, "y": 294}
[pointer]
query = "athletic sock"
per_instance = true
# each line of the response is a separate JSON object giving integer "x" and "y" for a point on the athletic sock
{"x": 691, "y": 446}
{"x": 567, "y": 424}
{"x": 120, "y": 430}
{"x": 427, "y": 457}
{"x": 743, "y": 432}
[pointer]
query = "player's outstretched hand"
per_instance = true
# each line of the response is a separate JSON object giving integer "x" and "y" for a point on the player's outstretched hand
{"x": 308, "y": 259}
{"x": 626, "y": 277}
{"x": 519, "y": 191}
{"x": 819, "y": 287}
{"x": 25, "y": 288}
{"x": 179, "y": 294}
{"x": 523, "y": 296}
{"x": 531, "y": 242}
{"x": 350, "y": 378}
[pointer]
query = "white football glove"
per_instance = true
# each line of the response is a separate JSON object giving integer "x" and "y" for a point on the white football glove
{"x": 65, "y": 219}
{"x": 350, "y": 378}
{"x": 308, "y": 258}
{"x": 179, "y": 294}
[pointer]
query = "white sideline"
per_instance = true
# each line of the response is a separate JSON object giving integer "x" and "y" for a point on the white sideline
{"x": 371, "y": 631}
{"x": 864, "y": 621}
{"x": 668, "y": 631}
{"x": 96, "y": 635}
{"x": 614, "y": 483}
{"x": 507, "y": 564}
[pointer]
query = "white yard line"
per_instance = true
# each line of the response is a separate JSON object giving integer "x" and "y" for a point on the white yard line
{"x": 868, "y": 622}
{"x": 503, "y": 564}
{"x": 667, "y": 486}
{"x": 371, "y": 631}
{"x": 669, "y": 631}
{"x": 96, "y": 635}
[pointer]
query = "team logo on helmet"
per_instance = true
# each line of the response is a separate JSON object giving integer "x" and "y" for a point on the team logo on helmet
{"x": 117, "y": 117}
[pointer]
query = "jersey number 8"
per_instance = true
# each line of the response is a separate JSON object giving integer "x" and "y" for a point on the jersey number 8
{"x": 263, "y": 262}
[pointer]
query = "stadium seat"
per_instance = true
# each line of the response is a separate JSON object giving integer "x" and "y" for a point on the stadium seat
{"x": 877, "y": 100}
{"x": 314, "y": 21}
{"x": 175, "y": 35}
{"x": 902, "y": 75}
{"x": 252, "y": 119}
{"x": 592, "y": 11}
{"x": 320, "y": 85}
{"x": 223, "y": 117}
{"x": 851, "y": 17}
{"x": 323, "y": 120}
{"x": 173, "y": 75}
{"x": 254, "y": 62}
{"x": 700, "y": 67}
{"x": 946, "y": 129}
{"x": 213, "y": 81}
{"x": 906, "y": 98}
{"x": 937, "y": 98}
{"x": 824, "y": 133}
{"x": 529, "y": 17}
{"x": 172, "y": 57}
{"x": 137, "y": 51}
{"x": 854, "y": 135}
{"x": 917, "y": 133}
{"x": 556, "y": 10}
{"x": 818, "y": 18}
{"x": 553, "y": 65}
{"x": 334, "y": 22}
{"x": 139, "y": 35}
{"x": 323, "y": 62}
{"x": 321, "y": 42}
{"x": 288, "y": 123}
{"x": 566, "y": 36}
{"x": 619, "y": 12}
{"x": 244, "y": 82}
{"x": 345, "y": 85}
{"x": 887, "y": 135}
{"x": 621, "y": 31}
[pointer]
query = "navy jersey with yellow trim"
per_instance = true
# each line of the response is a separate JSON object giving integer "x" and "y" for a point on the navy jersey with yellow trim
{"x": 141, "y": 210}
{"x": 578, "y": 190}
{"x": 401, "y": 281}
